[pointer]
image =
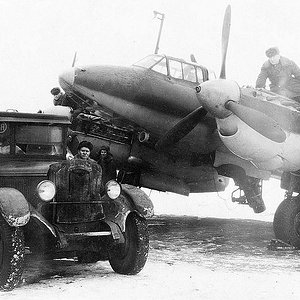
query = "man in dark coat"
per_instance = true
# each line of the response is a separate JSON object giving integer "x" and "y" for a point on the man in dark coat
{"x": 63, "y": 99}
{"x": 283, "y": 74}
{"x": 107, "y": 163}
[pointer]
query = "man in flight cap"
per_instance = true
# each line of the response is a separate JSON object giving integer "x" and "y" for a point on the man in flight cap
{"x": 283, "y": 74}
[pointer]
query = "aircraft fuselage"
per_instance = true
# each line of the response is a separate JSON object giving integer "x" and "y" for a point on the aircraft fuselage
{"x": 151, "y": 100}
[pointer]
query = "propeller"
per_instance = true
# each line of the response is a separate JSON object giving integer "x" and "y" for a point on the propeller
{"x": 74, "y": 59}
{"x": 211, "y": 100}
{"x": 181, "y": 129}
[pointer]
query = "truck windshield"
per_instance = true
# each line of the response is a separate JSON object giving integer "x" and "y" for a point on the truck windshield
{"x": 38, "y": 140}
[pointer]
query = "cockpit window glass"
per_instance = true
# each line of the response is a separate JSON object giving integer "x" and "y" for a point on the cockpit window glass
{"x": 189, "y": 72}
{"x": 211, "y": 75}
{"x": 175, "y": 69}
{"x": 161, "y": 67}
{"x": 199, "y": 74}
{"x": 148, "y": 61}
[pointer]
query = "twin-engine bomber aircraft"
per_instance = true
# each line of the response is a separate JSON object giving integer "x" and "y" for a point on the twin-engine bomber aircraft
{"x": 172, "y": 126}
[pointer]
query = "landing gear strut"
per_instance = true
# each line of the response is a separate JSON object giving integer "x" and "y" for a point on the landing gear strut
{"x": 250, "y": 188}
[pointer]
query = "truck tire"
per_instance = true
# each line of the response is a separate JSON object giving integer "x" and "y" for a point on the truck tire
{"x": 286, "y": 223}
{"x": 12, "y": 251}
{"x": 130, "y": 257}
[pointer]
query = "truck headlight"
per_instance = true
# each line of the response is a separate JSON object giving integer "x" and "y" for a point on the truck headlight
{"x": 113, "y": 189}
{"x": 46, "y": 190}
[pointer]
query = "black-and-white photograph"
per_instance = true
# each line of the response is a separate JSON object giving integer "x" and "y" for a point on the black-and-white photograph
{"x": 149, "y": 149}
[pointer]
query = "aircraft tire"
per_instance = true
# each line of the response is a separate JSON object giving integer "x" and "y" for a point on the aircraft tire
{"x": 286, "y": 223}
{"x": 12, "y": 251}
{"x": 130, "y": 257}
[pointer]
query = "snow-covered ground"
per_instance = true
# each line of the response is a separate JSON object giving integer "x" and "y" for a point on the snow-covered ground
{"x": 162, "y": 281}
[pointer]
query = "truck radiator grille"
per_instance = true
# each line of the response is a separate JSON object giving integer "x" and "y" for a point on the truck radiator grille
{"x": 78, "y": 185}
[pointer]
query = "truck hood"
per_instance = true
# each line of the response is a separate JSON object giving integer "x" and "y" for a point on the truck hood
{"x": 25, "y": 168}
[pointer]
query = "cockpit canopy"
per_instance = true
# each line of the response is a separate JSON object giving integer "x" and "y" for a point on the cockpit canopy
{"x": 176, "y": 68}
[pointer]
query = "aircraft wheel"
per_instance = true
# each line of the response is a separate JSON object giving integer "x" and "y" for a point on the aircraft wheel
{"x": 12, "y": 251}
{"x": 130, "y": 257}
{"x": 286, "y": 223}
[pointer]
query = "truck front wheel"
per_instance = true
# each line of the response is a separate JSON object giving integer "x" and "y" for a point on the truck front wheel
{"x": 12, "y": 251}
{"x": 130, "y": 257}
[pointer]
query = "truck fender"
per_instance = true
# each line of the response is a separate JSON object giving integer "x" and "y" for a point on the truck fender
{"x": 141, "y": 202}
{"x": 37, "y": 216}
{"x": 14, "y": 207}
{"x": 132, "y": 199}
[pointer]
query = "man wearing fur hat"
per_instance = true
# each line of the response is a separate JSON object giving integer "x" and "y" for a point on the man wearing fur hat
{"x": 84, "y": 150}
{"x": 283, "y": 74}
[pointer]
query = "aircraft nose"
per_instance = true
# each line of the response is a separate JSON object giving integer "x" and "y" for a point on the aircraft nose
{"x": 66, "y": 79}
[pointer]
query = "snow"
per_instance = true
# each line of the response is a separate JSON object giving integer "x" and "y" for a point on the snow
{"x": 162, "y": 281}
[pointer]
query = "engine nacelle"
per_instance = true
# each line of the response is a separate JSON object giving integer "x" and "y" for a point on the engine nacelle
{"x": 261, "y": 151}
{"x": 249, "y": 144}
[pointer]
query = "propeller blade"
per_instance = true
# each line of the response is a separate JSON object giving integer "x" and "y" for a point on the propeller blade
{"x": 181, "y": 129}
{"x": 74, "y": 59}
{"x": 225, "y": 39}
{"x": 257, "y": 120}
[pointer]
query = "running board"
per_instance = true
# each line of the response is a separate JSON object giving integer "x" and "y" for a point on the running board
{"x": 96, "y": 233}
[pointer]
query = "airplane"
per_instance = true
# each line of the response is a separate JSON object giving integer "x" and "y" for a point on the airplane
{"x": 173, "y": 126}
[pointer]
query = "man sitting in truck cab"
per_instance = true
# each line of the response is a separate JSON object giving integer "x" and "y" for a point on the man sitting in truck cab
{"x": 4, "y": 146}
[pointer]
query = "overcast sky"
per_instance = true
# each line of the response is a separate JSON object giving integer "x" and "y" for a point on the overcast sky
{"x": 39, "y": 38}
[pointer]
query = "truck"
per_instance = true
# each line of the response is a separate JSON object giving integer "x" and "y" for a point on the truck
{"x": 53, "y": 207}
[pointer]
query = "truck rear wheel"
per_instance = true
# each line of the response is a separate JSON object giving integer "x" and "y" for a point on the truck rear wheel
{"x": 12, "y": 251}
{"x": 130, "y": 257}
